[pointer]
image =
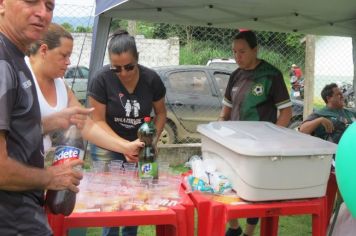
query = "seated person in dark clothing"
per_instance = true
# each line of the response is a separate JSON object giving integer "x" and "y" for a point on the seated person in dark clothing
{"x": 331, "y": 121}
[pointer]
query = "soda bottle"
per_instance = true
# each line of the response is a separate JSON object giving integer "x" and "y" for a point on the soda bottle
{"x": 147, "y": 164}
{"x": 70, "y": 147}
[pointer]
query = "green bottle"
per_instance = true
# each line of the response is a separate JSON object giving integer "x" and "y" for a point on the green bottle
{"x": 147, "y": 162}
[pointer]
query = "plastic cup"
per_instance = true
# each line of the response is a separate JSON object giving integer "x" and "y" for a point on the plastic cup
{"x": 163, "y": 168}
{"x": 129, "y": 165}
{"x": 146, "y": 180}
{"x": 116, "y": 162}
{"x": 114, "y": 168}
{"x": 99, "y": 166}
{"x": 130, "y": 170}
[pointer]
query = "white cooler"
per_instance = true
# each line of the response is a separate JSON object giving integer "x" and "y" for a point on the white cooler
{"x": 266, "y": 162}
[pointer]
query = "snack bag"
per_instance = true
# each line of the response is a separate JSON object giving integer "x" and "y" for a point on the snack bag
{"x": 199, "y": 184}
{"x": 219, "y": 183}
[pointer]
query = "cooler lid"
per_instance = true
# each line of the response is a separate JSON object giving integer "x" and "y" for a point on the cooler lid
{"x": 257, "y": 138}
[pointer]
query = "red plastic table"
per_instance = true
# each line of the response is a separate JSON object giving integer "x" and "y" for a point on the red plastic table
{"x": 177, "y": 220}
{"x": 213, "y": 216}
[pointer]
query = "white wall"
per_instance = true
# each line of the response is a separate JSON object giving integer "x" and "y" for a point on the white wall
{"x": 152, "y": 52}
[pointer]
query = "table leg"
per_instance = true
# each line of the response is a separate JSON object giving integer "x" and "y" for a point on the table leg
{"x": 319, "y": 220}
{"x": 203, "y": 218}
{"x": 166, "y": 230}
{"x": 331, "y": 191}
{"x": 218, "y": 219}
{"x": 269, "y": 226}
{"x": 189, "y": 218}
{"x": 57, "y": 223}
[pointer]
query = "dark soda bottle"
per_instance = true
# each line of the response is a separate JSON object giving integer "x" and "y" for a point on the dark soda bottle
{"x": 147, "y": 164}
{"x": 70, "y": 147}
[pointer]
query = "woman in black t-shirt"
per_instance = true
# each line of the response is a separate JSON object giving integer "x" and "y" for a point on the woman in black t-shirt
{"x": 123, "y": 93}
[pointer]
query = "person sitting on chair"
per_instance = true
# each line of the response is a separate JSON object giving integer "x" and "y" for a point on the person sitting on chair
{"x": 331, "y": 121}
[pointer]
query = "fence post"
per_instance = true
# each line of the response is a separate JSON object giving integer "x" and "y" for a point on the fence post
{"x": 309, "y": 75}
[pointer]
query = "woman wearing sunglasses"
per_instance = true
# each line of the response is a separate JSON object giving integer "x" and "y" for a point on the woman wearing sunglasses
{"x": 123, "y": 93}
{"x": 48, "y": 61}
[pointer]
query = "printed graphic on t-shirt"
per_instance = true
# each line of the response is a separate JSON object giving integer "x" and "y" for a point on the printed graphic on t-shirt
{"x": 132, "y": 111}
{"x": 131, "y": 105}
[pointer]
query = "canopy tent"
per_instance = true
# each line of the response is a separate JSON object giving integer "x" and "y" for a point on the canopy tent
{"x": 318, "y": 17}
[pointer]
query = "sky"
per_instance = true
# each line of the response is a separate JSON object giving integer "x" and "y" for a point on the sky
{"x": 76, "y": 8}
{"x": 76, "y": 2}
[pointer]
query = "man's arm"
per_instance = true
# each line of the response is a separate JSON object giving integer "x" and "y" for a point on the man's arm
{"x": 225, "y": 113}
{"x": 15, "y": 176}
{"x": 284, "y": 117}
{"x": 309, "y": 126}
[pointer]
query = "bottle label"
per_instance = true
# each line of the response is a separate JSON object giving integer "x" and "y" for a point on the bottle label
{"x": 148, "y": 169}
{"x": 66, "y": 153}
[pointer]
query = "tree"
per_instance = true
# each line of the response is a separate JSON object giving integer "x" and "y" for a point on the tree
{"x": 82, "y": 29}
{"x": 68, "y": 27}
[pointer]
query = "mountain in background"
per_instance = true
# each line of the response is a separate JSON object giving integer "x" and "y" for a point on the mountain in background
{"x": 84, "y": 21}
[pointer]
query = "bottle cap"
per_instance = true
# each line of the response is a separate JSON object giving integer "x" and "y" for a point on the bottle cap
{"x": 147, "y": 119}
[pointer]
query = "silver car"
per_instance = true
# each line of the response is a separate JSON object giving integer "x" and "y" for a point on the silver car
{"x": 77, "y": 79}
{"x": 194, "y": 96}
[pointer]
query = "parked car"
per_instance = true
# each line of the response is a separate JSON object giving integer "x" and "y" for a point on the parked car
{"x": 225, "y": 63}
{"x": 194, "y": 96}
{"x": 77, "y": 79}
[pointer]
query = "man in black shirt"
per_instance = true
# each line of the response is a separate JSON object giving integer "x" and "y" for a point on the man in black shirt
{"x": 22, "y": 176}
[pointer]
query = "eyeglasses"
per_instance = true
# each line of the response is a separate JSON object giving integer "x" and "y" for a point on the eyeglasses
{"x": 118, "y": 69}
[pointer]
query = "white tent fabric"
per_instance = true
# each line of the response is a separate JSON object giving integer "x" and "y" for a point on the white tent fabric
{"x": 319, "y": 17}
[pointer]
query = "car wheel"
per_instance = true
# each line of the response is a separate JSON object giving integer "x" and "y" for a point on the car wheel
{"x": 168, "y": 135}
{"x": 295, "y": 124}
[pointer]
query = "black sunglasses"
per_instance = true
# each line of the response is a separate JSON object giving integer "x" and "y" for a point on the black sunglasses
{"x": 118, "y": 69}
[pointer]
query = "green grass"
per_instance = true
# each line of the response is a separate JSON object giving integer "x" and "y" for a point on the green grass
{"x": 142, "y": 230}
{"x": 289, "y": 226}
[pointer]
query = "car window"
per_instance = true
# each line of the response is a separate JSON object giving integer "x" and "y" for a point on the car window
{"x": 192, "y": 82}
{"x": 69, "y": 73}
{"x": 221, "y": 80}
{"x": 224, "y": 65}
{"x": 85, "y": 72}
{"x": 73, "y": 73}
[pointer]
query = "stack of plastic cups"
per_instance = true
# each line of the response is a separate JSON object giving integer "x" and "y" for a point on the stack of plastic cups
{"x": 164, "y": 170}
{"x": 99, "y": 167}
{"x": 115, "y": 169}
{"x": 130, "y": 171}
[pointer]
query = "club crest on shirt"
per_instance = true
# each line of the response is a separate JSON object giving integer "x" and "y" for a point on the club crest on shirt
{"x": 258, "y": 90}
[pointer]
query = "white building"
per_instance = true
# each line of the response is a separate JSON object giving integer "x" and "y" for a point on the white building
{"x": 152, "y": 52}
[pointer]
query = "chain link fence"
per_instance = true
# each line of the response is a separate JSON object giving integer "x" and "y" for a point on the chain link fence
{"x": 194, "y": 94}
